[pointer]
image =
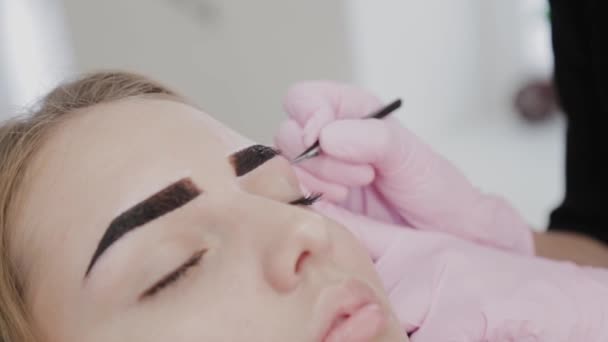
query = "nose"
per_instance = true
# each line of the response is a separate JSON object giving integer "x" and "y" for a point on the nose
{"x": 297, "y": 247}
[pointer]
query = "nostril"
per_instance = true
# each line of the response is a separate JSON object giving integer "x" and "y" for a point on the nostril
{"x": 301, "y": 260}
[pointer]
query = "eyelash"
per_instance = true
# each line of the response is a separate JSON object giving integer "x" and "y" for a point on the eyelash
{"x": 195, "y": 259}
{"x": 175, "y": 275}
{"x": 307, "y": 200}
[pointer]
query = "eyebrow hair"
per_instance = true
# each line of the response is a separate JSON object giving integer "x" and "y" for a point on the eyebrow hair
{"x": 170, "y": 198}
{"x": 248, "y": 159}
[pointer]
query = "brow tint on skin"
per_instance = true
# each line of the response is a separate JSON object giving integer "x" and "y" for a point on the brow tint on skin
{"x": 251, "y": 157}
{"x": 157, "y": 205}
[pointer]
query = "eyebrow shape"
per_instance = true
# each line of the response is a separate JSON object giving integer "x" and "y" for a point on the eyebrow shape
{"x": 248, "y": 159}
{"x": 170, "y": 198}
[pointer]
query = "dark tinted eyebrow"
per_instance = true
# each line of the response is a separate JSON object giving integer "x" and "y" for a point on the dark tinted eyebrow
{"x": 170, "y": 198}
{"x": 247, "y": 159}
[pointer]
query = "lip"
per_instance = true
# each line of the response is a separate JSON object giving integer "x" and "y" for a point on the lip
{"x": 352, "y": 306}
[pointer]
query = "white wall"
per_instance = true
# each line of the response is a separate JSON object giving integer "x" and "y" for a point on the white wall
{"x": 34, "y": 52}
{"x": 456, "y": 64}
{"x": 426, "y": 51}
{"x": 235, "y": 58}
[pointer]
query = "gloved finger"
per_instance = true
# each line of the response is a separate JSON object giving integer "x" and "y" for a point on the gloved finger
{"x": 346, "y": 109}
{"x": 316, "y": 122}
{"x": 303, "y": 99}
{"x": 323, "y": 166}
{"x": 335, "y": 171}
{"x": 289, "y": 139}
{"x": 334, "y": 193}
{"x": 319, "y": 102}
{"x": 374, "y": 235}
{"x": 382, "y": 143}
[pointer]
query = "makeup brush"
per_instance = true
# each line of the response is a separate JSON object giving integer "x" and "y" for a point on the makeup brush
{"x": 314, "y": 150}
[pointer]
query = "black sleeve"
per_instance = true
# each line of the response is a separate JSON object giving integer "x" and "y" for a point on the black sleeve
{"x": 581, "y": 77}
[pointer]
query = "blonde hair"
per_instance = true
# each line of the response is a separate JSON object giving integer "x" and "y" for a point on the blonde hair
{"x": 20, "y": 139}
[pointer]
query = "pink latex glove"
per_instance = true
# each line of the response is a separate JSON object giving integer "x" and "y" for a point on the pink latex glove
{"x": 446, "y": 289}
{"x": 382, "y": 170}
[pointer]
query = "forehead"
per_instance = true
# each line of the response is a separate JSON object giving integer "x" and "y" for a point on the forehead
{"x": 129, "y": 141}
{"x": 108, "y": 157}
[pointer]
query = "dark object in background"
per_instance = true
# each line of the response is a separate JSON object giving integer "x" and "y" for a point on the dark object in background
{"x": 537, "y": 100}
{"x": 579, "y": 36}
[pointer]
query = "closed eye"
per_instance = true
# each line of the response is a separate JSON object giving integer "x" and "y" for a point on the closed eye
{"x": 174, "y": 276}
{"x": 195, "y": 259}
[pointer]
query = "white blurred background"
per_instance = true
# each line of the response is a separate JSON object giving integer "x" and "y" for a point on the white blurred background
{"x": 456, "y": 64}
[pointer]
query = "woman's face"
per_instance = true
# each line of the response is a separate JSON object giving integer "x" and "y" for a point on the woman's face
{"x": 140, "y": 222}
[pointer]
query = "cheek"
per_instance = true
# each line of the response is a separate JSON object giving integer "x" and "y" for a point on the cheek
{"x": 351, "y": 255}
{"x": 228, "y": 305}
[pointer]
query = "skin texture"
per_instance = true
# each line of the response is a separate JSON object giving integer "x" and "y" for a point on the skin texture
{"x": 267, "y": 267}
{"x": 565, "y": 246}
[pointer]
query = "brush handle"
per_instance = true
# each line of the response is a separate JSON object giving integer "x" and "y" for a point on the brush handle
{"x": 383, "y": 112}
{"x": 386, "y": 110}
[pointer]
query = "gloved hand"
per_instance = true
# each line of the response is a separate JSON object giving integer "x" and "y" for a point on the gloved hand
{"x": 447, "y": 289}
{"x": 380, "y": 169}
